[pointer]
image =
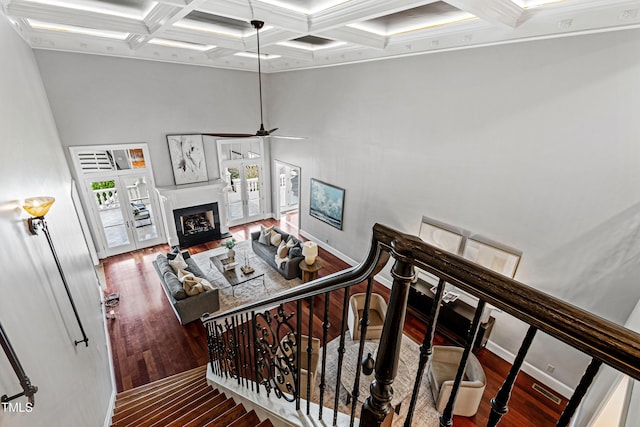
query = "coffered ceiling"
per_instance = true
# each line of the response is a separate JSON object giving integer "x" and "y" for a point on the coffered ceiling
{"x": 301, "y": 33}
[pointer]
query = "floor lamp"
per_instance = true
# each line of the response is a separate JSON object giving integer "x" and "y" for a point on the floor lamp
{"x": 38, "y": 208}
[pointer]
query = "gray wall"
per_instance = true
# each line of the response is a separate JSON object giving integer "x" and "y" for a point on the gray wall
{"x": 105, "y": 100}
{"x": 534, "y": 145}
{"x": 74, "y": 382}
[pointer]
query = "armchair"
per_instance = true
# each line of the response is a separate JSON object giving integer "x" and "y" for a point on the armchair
{"x": 377, "y": 313}
{"x": 442, "y": 372}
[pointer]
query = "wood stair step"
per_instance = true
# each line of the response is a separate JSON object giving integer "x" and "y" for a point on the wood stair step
{"x": 250, "y": 419}
{"x": 265, "y": 423}
{"x": 124, "y": 395}
{"x": 168, "y": 409}
{"x": 159, "y": 406}
{"x": 203, "y": 405}
{"x": 211, "y": 413}
{"x": 158, "y": 393}
{"x": 229, "y": 416}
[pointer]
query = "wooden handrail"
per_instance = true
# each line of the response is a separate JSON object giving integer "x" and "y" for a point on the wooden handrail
{"x": 602, "y": 340}
{"x": 606, "y": 341}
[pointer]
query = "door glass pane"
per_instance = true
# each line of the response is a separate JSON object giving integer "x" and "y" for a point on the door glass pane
{"x": 234, "y": 193}
{"x": 252, "y": 175}
{"x": 141, "y": 208}
{"x": 111, "y": 217}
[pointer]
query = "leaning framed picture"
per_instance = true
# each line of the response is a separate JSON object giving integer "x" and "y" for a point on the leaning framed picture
{"x": 327, "y": 203}
{"x": 187, "y": 158}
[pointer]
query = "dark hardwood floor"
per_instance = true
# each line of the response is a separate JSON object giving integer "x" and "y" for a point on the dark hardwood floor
{"x": 148, "y": 342}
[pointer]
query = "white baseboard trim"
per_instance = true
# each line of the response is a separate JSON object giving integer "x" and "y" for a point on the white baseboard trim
{"x": 112, "y": 404}
{"x": 328, "y": 248}
{"x": 531, "y": 370}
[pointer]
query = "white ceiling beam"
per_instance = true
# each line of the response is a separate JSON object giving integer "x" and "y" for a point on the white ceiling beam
{"x": 358, "y": 11}
{"x": 289, "y": 52}
{"x": 201, "y": 37}
{"x": 220, "y": 52}
{"x": 177, "y": 3}
{"x": 500, "y": 12}
{"x": 280, "y": 17}
{"x": 355, "y": 36}
{"x": 158, "y": 14}
{"x": 236, "y": 9}
{"x": 75, "y": 17}
{"x": 270, "y": 37}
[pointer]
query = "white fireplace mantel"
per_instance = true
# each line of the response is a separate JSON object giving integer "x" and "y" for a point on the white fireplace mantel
{"x": 187, "y": 195}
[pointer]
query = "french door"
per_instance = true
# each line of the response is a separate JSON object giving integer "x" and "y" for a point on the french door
{"x": 125, "y": 212}
{"x": 245, "y": 192}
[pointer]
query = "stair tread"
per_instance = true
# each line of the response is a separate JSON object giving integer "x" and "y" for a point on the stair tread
{"x": 224, "y": 419}
{"x": 159, "y": 383}
{"x": 250, "y": 419}
{"x": 202, "y": 407}
{"x": 150, "y": 411}
{"x": 211, "y": 413}
{"x": 265, "y": 423}
{"x": 142, "y": 399}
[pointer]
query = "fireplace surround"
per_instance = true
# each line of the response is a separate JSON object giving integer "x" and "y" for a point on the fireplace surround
{"x": 194, "y": 213}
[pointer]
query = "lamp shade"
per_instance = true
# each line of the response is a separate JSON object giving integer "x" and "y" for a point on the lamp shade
{"x": 310, "y": 252}
{"x": 38, "y": 206}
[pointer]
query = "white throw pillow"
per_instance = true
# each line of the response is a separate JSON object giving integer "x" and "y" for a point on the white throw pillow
{"x": 276, "y": 238}
{"x": 265, "y": 235}
{"x": 178, "y": 263}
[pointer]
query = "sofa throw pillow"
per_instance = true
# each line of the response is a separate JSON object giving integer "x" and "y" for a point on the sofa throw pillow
{"x": 283, "y": 250}
{"x": 295, "y": 252}
{"x": 178, "y": 263}
{"x": 291, "y": 242}
{"x": 276, "y": 238}
{"x": 265, "y": 235}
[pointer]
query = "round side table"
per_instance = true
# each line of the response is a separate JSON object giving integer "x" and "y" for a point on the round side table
{"x": 310, "y": 272}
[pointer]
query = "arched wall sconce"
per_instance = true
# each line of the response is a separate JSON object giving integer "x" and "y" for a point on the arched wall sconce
{"x": 38, "y": 208}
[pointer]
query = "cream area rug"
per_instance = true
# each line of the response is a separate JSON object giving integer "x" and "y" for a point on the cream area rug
{"x": 251, "y": 291}
{"x": 425, "y": 414}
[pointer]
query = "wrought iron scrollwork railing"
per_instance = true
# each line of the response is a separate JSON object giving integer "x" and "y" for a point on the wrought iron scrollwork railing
{"x": 28, "y": 389}
{"x": 275, "y": 350}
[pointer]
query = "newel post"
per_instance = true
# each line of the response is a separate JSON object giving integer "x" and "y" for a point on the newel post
{"x": 377, "y": 409}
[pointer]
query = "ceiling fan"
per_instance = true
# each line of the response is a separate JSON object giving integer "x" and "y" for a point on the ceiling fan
{"x": 262, "y": 131}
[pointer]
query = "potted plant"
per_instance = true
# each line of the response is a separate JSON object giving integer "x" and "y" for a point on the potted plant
{"x": 230, "y": 244}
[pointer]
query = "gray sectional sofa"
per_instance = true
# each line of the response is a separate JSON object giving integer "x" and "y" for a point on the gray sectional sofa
{"x": 289, "y": 269}
{"x": 187, "y": 308}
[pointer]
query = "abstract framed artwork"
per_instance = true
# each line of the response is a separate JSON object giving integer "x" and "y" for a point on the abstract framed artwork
{"x": 187, "y": 158}
{"x": 492, "y": 255}
{"x": 443, "y": 236}
{"x": 327, "y": 203}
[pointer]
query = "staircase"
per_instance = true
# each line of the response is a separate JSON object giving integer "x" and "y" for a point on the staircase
{"x": 181, "y": 400}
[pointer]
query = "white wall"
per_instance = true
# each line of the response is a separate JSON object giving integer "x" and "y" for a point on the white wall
{"x": 107, "y": 100}
{"x": 74, "y": 382}
{"x": 534, "y": 145}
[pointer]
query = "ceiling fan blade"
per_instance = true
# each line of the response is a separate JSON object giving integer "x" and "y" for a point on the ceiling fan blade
{"x": 230, "y": 135}
{"x": 296, "y": 138}
{"x": 271, "y": 131}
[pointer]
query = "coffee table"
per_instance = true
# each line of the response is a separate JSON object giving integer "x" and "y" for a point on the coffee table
{"x": 236, "y": 276}
{"x": 403, "y": 384}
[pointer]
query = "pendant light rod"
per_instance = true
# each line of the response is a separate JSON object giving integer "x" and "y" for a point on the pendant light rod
{"x": 258, "y": 25}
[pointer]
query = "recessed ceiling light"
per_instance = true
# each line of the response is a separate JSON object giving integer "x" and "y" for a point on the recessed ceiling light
{"x": 255, "y": 55}
{"x": 181, "y": 45}
{"x": 77, "y": 30}
{"x": 99, "y": 7}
